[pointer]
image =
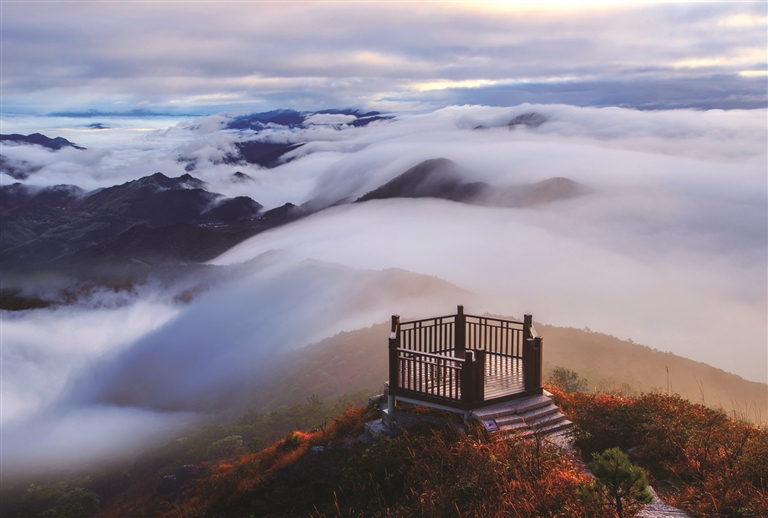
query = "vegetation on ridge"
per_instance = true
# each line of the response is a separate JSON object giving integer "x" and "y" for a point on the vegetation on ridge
{"x": 697, "y": 458}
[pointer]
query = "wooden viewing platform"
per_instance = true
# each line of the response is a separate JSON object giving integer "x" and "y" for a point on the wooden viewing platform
{"x": 463, "y": 362}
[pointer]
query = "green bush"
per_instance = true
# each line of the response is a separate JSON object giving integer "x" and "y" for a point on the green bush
{"x": 567, "y": 380}
{"x": 226, "y": 447}
{"x": 619, "y": 481}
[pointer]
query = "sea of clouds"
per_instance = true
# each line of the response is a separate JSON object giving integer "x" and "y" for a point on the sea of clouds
{"x": 669, "y": 249}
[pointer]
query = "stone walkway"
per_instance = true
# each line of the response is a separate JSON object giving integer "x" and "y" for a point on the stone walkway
{"x": 658, "y": 509}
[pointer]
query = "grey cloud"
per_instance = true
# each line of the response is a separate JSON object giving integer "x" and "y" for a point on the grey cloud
{"x": 669, "y": 249}
{"x": 311, "y": 56}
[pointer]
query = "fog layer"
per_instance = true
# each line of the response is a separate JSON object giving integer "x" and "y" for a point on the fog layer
{"x": 668, "y": 249}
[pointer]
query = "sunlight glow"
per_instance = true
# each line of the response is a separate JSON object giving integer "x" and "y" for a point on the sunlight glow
{"x": 754, "y": 73}
{"x": 744, "y": 20}
{"x": 753, "y": 55}
{"x": 445, "y": 84}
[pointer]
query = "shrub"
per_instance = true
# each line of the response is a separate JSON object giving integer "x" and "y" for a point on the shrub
{"x": 567, "y": 380}
{"x": 616, "y": 478}
{"x": 697, "y": 458}
{"x": 225, "y": 447}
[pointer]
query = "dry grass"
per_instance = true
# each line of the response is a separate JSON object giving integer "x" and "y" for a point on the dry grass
{"x": 699, "y": 458}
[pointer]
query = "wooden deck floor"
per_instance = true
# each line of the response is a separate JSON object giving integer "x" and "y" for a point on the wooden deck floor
{"x": 503, "y": 376}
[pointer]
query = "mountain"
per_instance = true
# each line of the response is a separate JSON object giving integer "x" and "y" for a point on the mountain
{"x": 137, "y": 112}
{"x": 40, "y": 140}
{"x": 178, "y": 221}
{"x": 16, "y": 168}
{"x": 21, "y": 169}
{"x": 238, "y": 177}
{"x": 442, "y": 178}
{"x": 268, "y": 154}
{"x": 530, "y": 119}
{"x": 55, "y": 226}
{"x": 265, "y": 154}
{"x": 295, "y": 119}
{"x": 301, "y": 456}
{"x": 606, "y": 362}
{"x": 436, "y": 178}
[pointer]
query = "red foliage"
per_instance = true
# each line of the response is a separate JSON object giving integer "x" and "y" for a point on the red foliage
{"x": 698, "y": 457}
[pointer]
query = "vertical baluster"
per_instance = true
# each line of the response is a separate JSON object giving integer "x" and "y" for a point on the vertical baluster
{"x": 432, "y": 339}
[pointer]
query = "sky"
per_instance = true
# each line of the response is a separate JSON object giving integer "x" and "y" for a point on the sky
{"x": 660, "y": 108}
{"x": 208, "y": 57}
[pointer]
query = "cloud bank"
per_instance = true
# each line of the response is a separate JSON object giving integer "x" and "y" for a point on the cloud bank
{"x": 669, "y": 249}
{"x": 221, "y": 56}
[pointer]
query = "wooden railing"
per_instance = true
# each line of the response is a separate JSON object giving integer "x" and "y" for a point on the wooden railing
{"x": 533, "y": 346}
{"x": 431, "y": 335}
{"x": 442, "y": 360}
{"x": 496, "y": 336}
{"x": 430, "y": 374}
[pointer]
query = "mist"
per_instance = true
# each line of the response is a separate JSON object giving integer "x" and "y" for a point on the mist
{"x": 668, "y": 249}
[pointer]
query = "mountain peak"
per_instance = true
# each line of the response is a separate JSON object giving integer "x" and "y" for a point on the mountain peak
{"x": 434, "y": 178}
{"x": 39, "y": 139}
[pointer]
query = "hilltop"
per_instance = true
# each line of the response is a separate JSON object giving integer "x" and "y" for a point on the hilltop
{"x": 322, "y": 468}
{"x": 357, "y": 360}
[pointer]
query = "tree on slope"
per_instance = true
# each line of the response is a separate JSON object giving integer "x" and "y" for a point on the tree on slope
{"x": 618, "y": 480}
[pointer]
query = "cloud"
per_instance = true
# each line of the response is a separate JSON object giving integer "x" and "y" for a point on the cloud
{"x": 45, "y": 349}
{"x": 76, "y": 436}
{"x": 580, "y": 274}
{"x": 669, "y": 249}
{"x": 226, "y": 56}
{"x": 203, "y": 359}
{"x": 90, "y": 386}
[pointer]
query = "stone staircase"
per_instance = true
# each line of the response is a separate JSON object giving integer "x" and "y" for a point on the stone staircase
{"x": 535, "y": 414}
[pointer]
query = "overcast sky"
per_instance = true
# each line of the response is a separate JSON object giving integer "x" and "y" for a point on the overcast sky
{"x": 669, "y": 249}
{"x": 205, "y": 57}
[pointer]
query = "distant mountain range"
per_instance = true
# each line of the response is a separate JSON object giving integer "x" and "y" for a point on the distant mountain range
{"x": 38, "y": 139}
{"x": 295, "y": 119}
{"x": 441, "y": 178}
{"x": 139, "y": 113}
{"x": 266, "y": 153}
{"x": 159, "y": 222}
{"x": 21, "y": 169}
{"x": 153, "y": 220}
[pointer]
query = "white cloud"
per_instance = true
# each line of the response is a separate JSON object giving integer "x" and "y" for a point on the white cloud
{"x": 669, "y": 250}
{"x": 43, "y": 350}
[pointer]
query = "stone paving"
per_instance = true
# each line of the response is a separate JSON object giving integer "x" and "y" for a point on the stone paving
{"x": 658, "y": 509}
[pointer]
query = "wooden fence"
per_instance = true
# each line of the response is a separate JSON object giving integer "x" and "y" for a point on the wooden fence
{"x": 454, "y": 361}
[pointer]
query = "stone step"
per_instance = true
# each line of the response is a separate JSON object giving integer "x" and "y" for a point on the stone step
{"x": 550, "y": 429}
{"x": 532, "y": 403}
{"x": 535, "y": 423}
{"x": 530, "y": 416}
{"x": 512, "y": 407}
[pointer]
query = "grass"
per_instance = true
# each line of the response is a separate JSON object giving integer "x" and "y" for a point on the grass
{"x": 697, "y": 458}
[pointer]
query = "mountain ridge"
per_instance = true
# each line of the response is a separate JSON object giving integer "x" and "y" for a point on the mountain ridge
{"x": 442, "y": 178}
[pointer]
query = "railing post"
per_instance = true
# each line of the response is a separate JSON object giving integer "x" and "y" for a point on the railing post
{"x": 532, "y": 364}
{"x": 528, "y": 363}
{"x": 394, "y": 344}
{"x": 479, "y": 375}
{"x": 468, "y": 379}
{"x": 460, "y": 333}
{"x": 527, "y": 324}
{"x": 528, "y": 353}
{"x": 538, "y": 350}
